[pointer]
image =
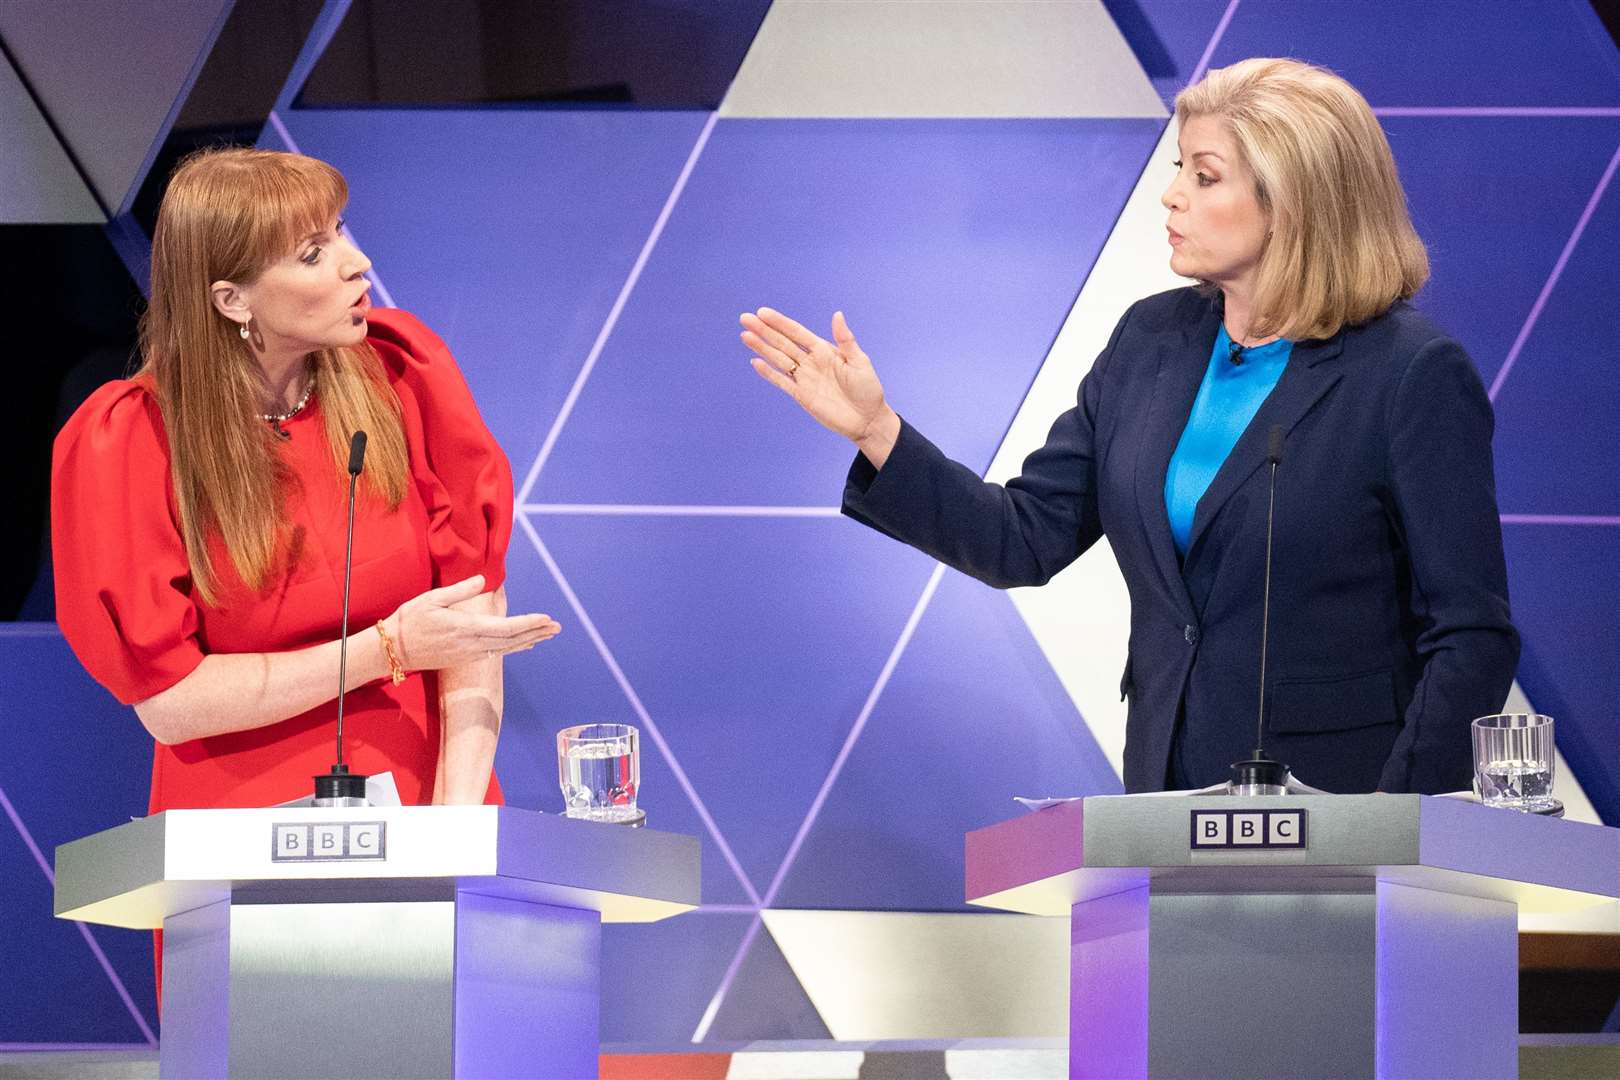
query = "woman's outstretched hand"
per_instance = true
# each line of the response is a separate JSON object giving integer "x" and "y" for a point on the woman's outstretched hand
{"x": 833, "y": 381}
{"x": 433, "y": 632}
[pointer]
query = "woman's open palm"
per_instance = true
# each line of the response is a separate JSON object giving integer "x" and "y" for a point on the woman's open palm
{"x": 833, "y": 381}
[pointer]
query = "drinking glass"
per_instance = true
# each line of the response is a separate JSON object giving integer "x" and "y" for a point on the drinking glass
{"x": 1513, "y": 761}
{"x": 599, "y": 770}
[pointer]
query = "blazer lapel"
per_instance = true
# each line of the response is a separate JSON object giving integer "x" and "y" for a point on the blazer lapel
{"x": 1183, "y": 357}
{"x": 1306, "y": 378}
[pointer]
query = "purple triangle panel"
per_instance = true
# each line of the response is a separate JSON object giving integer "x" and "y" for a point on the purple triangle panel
{"x": 766, "y": 1000}
{"x": 509, "y": 231}
{"x": 753, "y": 643}
{"x": 1558, "y": 409}
{"x": 1495, "y": 238}
{"x": 1565, "y": 584}
{"x": 1438, "y": 53}
{"x": 73, "y": 761}
{"x": 563, "y": 682}
{"x": 973, "y": 716}
{"x": 658, "y": 978}
{"x": 955, "y": 248}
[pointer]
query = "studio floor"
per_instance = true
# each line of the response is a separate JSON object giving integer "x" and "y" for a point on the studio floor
{"x": 1541, "y": 1057}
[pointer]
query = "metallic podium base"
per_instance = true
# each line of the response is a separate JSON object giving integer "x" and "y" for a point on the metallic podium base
{"x": 431, "y": 982}
{"x": 415, "y": 941}
{"x": 1380, "y": 980}
{"x": 1300, "y": 936}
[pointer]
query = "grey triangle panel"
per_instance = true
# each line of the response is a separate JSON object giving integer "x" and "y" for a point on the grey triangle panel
{"x": 940, "y": 58}
{"x": 38, "y": 184}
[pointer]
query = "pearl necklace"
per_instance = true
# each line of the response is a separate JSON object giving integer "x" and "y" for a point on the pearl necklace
{"x": 277, "y": 418}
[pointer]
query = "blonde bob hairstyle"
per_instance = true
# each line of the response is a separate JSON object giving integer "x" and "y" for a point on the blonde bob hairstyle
{"x": 1342, "y": 249}
{"x": 228, "y": 214}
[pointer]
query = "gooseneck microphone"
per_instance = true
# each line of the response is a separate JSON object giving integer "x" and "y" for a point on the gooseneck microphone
{"x": 1260, "y": 775}
{"x": 340, "y": 787}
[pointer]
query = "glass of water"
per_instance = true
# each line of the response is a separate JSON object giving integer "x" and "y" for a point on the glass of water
{"x": 599, "y": 770}
{"x": 1513, "y": 761}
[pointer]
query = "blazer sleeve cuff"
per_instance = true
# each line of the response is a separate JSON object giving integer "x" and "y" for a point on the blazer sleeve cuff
{"x": 875, "y": 496}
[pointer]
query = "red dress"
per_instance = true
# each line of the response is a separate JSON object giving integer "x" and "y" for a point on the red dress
{"x": 123, "y": 584}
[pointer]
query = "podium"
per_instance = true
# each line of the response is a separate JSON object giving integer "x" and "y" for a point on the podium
{"x": 1299, "y": 936}
{"x": 377, "y": 941}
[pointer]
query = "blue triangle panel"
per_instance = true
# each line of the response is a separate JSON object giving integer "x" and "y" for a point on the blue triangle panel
{"x": 509, "y": 231}
{"x": 1491, "y": 250}
{"x": 564, "y": 682}
{"x": 73, "y": 761}
{"x": 753, "y": 643}
{"x": 973, "y": 716}
{"x": 1558, "y": 410}
{"x": 1168, "y": 37}
{"x": 955, "y": 247}
{"x": 658, "y": 978}
{"x": 1438, "y": 52}
{"x": 766, "y": 1001}
{"x": 1565, "y": 581}
{"x": 54, "y": 989}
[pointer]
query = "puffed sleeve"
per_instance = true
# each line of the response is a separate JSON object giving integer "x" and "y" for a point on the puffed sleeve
{"x": 123, "y": 583}
{"x": 462, "y": 473}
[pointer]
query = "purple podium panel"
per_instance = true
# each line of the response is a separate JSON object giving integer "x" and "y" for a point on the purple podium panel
{"x": 1301, "y": 936}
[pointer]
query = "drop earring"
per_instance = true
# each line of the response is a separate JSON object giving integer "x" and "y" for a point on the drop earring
{"x": 246, "y": 333}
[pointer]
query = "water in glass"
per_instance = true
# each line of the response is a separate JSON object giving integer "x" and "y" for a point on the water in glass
{"x": 1513, "y": 761}
{"x": 599, "y": 771}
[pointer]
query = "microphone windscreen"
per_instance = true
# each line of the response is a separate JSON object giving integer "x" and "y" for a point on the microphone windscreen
{"x": 357, "y": 453}
{"x": 1274, "y": 445}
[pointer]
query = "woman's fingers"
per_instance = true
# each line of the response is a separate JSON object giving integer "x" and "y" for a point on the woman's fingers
{"x": 777, "y": 340}
{"x": 843, "y": 335}
{"x": 493, "y": 632}
{"x": 782, "y": 382}
{"x": 788, "y": 328}
{"x": 465, "y": 589}
{"x": 786, "y": 362}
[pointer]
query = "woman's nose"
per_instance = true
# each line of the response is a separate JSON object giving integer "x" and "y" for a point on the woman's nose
{"x": 358, "y": 263}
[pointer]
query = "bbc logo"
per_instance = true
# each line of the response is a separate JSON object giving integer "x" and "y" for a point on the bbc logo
{"x": 335, "y": 841}
{"x": 1248, "y": 829}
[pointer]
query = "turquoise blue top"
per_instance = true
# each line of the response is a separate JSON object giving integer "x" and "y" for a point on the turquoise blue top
{"x": 1227, "y": 400}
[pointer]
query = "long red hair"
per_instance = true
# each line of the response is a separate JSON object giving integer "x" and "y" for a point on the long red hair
{"x": 228, "y": 214}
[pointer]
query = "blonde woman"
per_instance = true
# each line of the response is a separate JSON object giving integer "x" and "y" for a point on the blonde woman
{"x": 1390, "y": 627}
{"x": 199, "y": 512}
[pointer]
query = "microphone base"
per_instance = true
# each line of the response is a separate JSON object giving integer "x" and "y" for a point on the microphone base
{"x": 1258, "y": 776}
{"x": 340, "y": 787}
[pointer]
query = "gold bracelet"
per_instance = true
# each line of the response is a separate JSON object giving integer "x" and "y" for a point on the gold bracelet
{"x": 396, "y": 670}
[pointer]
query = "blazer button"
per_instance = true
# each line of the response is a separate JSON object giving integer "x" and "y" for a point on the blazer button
{"x": 1190, "y": 632}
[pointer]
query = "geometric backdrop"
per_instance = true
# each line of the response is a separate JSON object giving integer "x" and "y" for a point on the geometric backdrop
{"x": 827, "y": 710}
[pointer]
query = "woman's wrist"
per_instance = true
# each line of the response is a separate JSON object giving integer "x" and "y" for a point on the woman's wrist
{"x": 391, "y": 649}
{"x": 878, "y": 441}
{"x": 366, "y": 662}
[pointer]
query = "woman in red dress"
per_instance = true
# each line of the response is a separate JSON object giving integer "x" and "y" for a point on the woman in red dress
{"x": 199, "y": 512}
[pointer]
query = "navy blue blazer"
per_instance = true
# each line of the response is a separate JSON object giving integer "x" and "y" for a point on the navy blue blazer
{"x": 1389, "y": 629}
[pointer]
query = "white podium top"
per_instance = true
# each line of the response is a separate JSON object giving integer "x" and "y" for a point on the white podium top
{"x": 1045, "y": 862}
{"x": 136, "y": 874}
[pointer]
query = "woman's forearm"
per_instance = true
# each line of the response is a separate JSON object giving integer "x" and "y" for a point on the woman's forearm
{"x": 240, "y": 691}
{"x": 471, "y": 700}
